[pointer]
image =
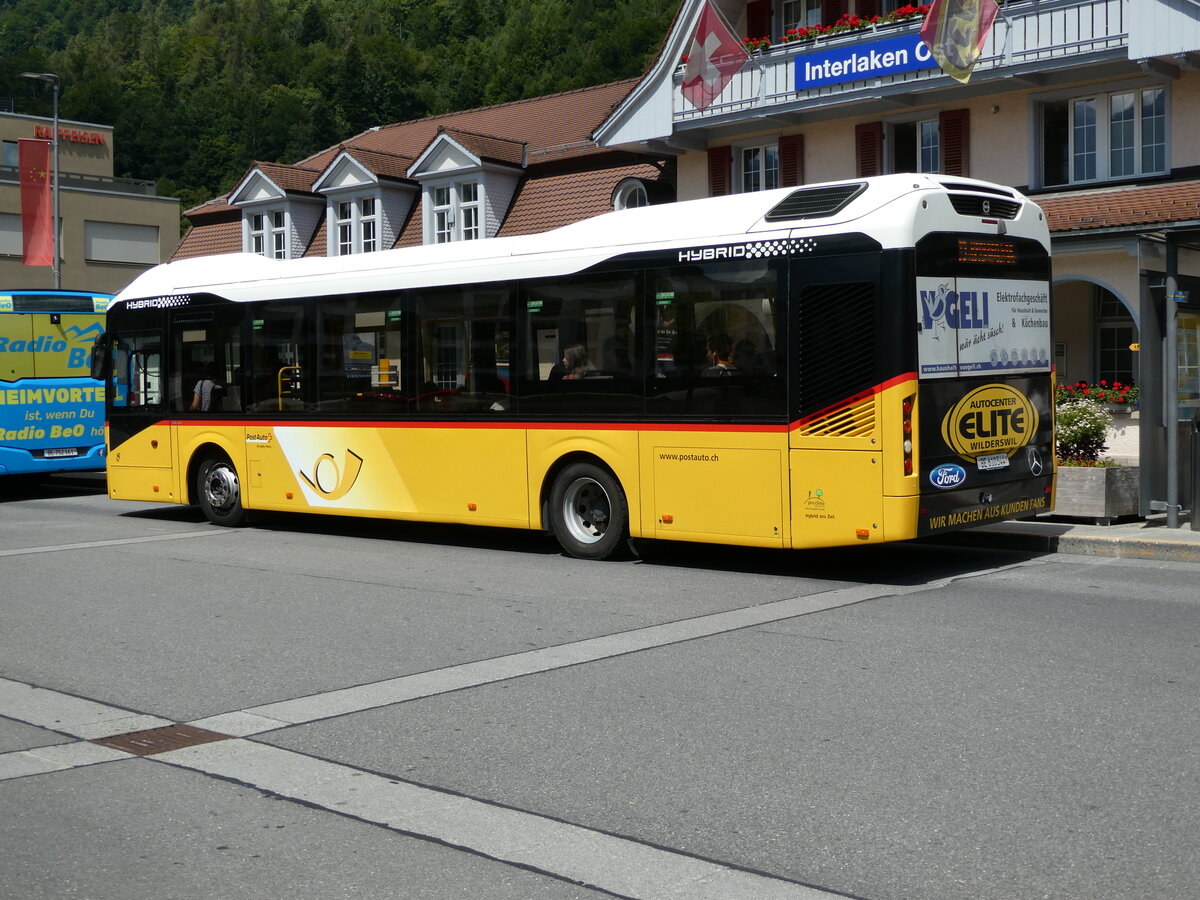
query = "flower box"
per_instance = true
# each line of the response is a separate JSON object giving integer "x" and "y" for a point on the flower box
{"x": 1097, "y": 493}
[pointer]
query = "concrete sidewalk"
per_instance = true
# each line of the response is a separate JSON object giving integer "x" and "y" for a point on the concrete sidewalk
{"x": 1146, "y": 539}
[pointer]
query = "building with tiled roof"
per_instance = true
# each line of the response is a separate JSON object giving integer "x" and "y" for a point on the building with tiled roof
{"x": 1085, "y": 105}
{"x": 515, "y": 168}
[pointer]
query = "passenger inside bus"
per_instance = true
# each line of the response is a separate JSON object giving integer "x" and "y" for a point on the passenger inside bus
{"x": 720, "y": 354}
{"x": 577, "y": 363}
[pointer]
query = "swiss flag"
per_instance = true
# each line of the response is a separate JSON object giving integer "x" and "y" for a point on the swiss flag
{"x": 715, "y": 57}
{"x": 37, "y": 209}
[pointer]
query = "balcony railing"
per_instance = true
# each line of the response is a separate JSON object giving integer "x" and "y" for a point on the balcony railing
{"x": 77, "y": 181}
{"x": 1031, "y": 38}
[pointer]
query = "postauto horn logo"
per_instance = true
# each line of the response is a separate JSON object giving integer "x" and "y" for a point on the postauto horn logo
{"x": 995, "y": 418}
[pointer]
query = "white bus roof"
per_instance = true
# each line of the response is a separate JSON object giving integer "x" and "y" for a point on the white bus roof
{"x": 572, "y": 248}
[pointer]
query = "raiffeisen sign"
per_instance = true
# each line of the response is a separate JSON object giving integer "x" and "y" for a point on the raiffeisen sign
{"x": 859, "y": 61}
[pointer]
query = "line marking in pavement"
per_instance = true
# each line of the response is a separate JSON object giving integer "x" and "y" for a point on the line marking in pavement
{"x": 577, "y": 854}
{"x": 75, "y": 716}
{"x": 343, "y": 701}
{"x": 115, "y": 542}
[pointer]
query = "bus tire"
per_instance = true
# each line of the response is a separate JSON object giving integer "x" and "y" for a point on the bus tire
{"x": 589, "y": 512}
{"x": 219, "y": 491}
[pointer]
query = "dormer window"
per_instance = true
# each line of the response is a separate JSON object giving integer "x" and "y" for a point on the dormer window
{"x": 357, "y": 226}
{"x": 456, "y": 212}
{"x": 268, "y": 234}
{"x": 630, "y": 194}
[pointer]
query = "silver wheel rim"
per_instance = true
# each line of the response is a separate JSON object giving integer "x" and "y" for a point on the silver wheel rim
{"x": 221, "y": 488}
{"x": 586, "y": 510}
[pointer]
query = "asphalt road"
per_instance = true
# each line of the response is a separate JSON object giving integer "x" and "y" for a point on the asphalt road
{"x": 432, "y": 712}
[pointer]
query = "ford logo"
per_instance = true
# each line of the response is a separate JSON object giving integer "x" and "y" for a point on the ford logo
{"x": 947, "y": 476}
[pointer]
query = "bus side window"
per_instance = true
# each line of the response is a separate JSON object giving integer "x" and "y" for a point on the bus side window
{"x": 463, "y": 349}
{"x": 361, "y": 352}
{"x": 718, "y": 341}
{"x": 585, "y": 351}
{"x": 280, "y": 370}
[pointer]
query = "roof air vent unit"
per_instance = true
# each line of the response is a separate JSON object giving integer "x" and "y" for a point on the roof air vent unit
{"x": 816, "y": 203}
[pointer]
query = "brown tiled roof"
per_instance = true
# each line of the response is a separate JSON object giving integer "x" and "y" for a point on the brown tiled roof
{"x": 386, "y": 165}
{"x": 487, "y": 147}
{"x": 209, "y": 239}
{"x": 554, "y": 200}
{"x": 216, "y": 206}
{"x": 1131, "y": 207}
{"x": 293, "y": 179}
{"x": 564, "y": 120}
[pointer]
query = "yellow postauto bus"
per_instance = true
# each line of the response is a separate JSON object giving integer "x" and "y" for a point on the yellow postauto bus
{"x": 836, "y": 364}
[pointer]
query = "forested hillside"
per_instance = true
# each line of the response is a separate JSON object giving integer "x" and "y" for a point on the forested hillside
{"x": 196, "y": 89}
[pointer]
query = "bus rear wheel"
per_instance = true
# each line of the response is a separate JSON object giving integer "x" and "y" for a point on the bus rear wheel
{"x": 220, "y": 492}
{"x": 589, "y": 512}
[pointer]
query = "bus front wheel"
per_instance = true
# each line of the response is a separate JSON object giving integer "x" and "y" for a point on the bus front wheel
{"x": 220, "y": 492}
{"x": 589, "y": 512}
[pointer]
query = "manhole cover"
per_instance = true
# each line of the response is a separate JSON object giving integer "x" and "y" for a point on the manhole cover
{"x": 160, "y": 740}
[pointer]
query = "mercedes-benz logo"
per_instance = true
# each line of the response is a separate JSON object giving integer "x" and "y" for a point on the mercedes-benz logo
{"x": 1035, "y": 461}
{"x": 987, "y": 207}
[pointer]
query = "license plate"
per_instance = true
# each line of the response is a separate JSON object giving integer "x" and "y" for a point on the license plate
{"x": 993, "y": 461}
{"x": 57, "y": 452}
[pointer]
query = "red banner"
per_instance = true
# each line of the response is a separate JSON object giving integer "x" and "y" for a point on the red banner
{"x": 715, "y": 57}
{"x": 37, "y": 203}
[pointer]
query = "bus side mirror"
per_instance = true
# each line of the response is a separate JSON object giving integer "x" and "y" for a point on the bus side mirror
{"x": 99, "y": 357}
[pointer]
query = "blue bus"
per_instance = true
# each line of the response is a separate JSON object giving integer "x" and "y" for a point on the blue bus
{"x": 51, "y": 409}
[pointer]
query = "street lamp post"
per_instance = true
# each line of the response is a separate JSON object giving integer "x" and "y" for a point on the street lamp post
{"x": 54, "y": 80}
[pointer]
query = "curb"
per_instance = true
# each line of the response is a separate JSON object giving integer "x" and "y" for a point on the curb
{"x": 1045, "y": 540}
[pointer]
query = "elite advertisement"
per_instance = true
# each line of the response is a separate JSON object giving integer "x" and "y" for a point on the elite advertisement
{"x": 987, "y": 451}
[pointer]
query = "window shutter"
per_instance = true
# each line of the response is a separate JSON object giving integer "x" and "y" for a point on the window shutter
{"x": 720, "y": 161}
{"x": 868, "y": 148}
{"x": 954, "y": 128}
{"x": 758, "y": 18}
{"x": 867, "y": 8}
{"x": 831, "y": 11}
{"x": 791, "y": 160}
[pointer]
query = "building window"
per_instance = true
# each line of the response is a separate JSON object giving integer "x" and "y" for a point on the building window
{"x": 457, "y": 212}
{"x": 630, "y": 194}
{"x": 368, "y": 224}
{"x": 915, "y": 147}
{"x": 345, "y": 228}
{"x": 268, "y": 234}
{"x": 11, "y": 155}
{"x": 356, "y": 226}
{"x": 1122, "y": 134}
{"x": 801, "y": 13}
{"x": 1117, "y": 333}
{"x": 758, "y": 168}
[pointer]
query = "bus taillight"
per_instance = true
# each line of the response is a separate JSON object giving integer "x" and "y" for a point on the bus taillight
{"x": 906, "y": 426}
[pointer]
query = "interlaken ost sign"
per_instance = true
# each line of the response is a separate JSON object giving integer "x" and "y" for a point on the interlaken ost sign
{"x": 856, "y": 62}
